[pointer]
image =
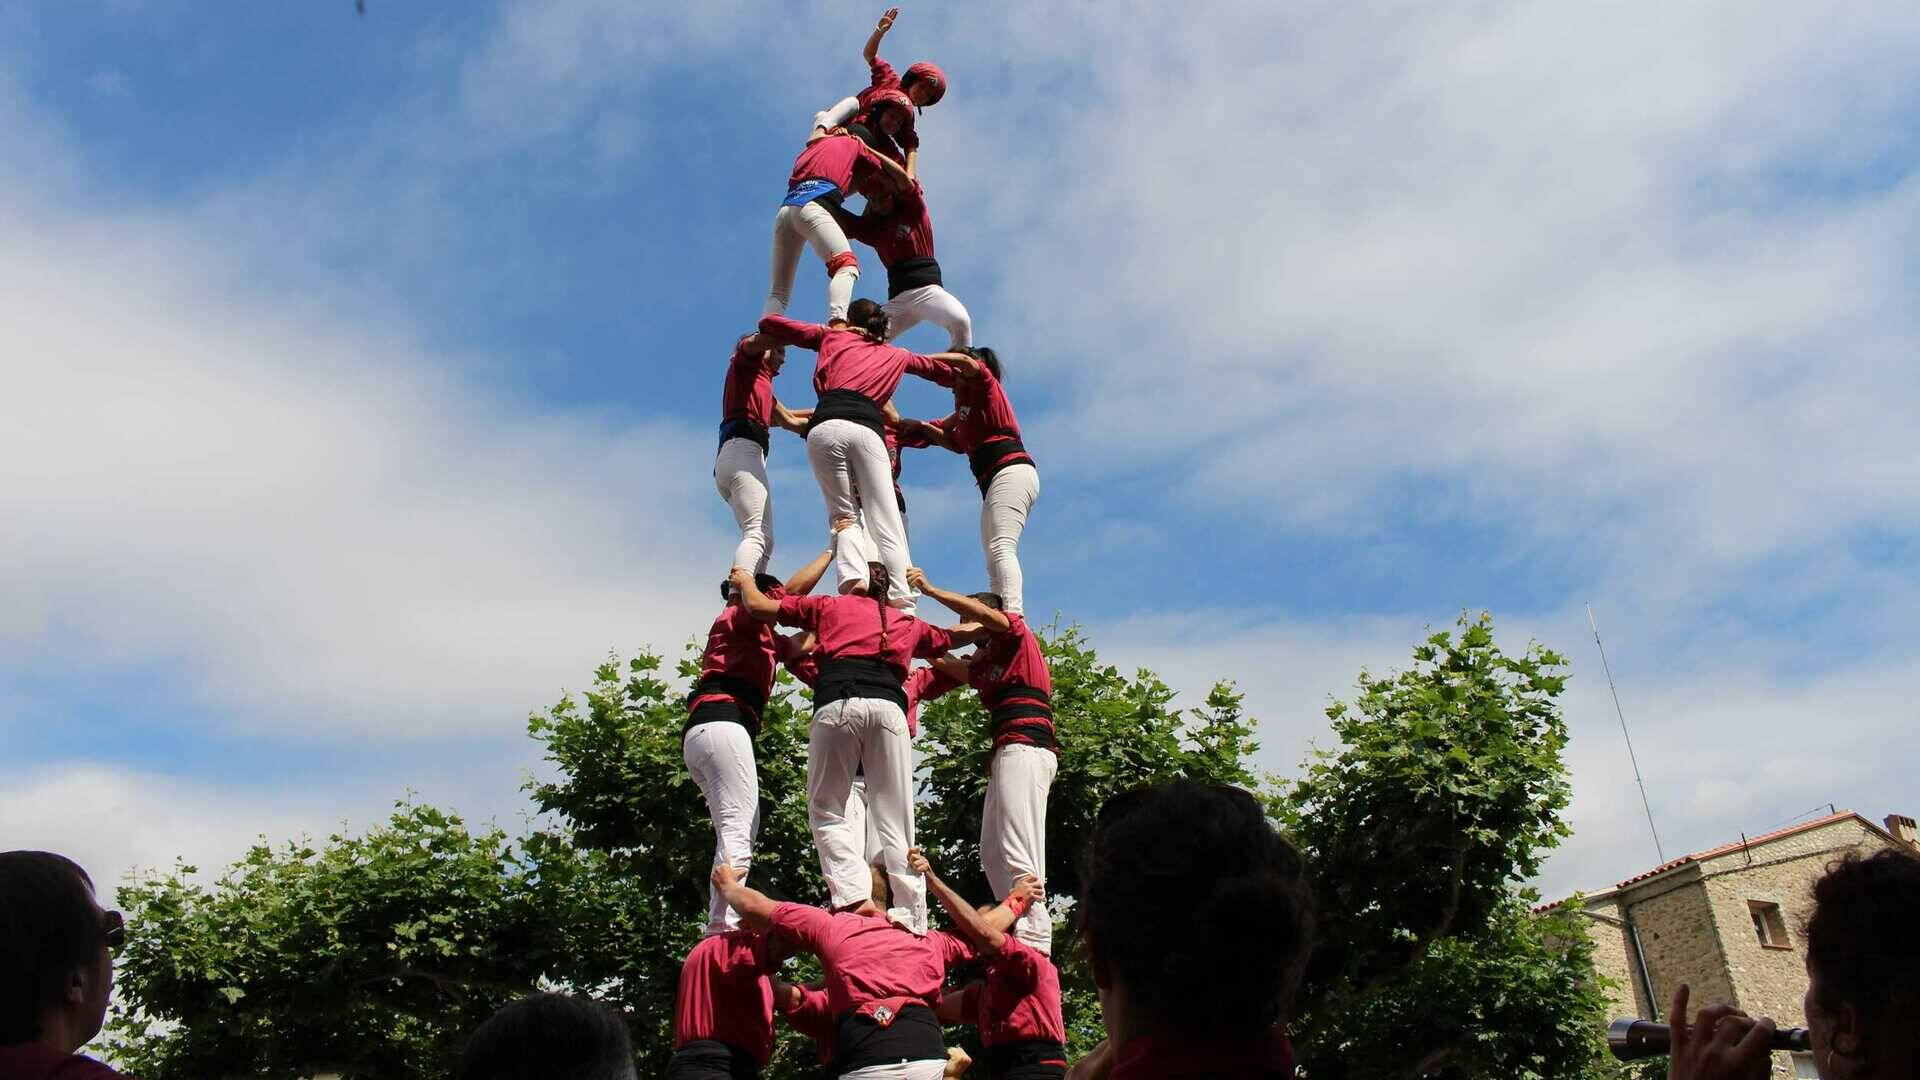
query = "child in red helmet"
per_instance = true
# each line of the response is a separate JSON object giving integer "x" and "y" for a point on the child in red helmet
{"x": 924, "y": 84}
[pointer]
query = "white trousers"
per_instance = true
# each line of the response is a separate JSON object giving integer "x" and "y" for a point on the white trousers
{"x": 740, "y": 474}
{"x": 871, "y": 734}
{"x": 841, "y": 453}
{"x": 930, "y": 303}
{"x": 720, "y": 757}
{"x": 1013, "y": 830}
{"x": 808, "y": 225}
{"x": 862, "y": 822}
{"x": 930, "y": 1069}
{"x": 1003, "y": 517}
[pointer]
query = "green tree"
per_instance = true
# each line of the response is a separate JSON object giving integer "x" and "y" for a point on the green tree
{"x": 1446, "y": 792}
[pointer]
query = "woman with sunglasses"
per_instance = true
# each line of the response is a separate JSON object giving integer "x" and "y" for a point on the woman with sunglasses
{"x": 56, "y": 967}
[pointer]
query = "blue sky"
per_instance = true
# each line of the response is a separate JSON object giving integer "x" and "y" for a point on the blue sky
{"x": 361, "y": 376}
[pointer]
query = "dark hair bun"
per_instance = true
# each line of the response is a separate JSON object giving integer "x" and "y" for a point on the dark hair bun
{"x": 867, "y": 314}
{"x": 1186, "y": 885}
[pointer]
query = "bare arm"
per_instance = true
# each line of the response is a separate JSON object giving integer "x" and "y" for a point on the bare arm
{"x": 960, "y": 362}
{"x": 978, "y": 932}
{"x": 939, "y": 433}
{"x": 803, "y": 581}
{"x": 951, "y": 1008}
{"x": 790, "y": 419}
{"x": 1021, "y": 897}
{"x": 758, "y": 604}
{"x": 872, "y": 50}
{"x": 755, "y": 909}
{"x": 952, "y": 667}
{"x": 964, "y": 606}
{"x": 913, "y": 159}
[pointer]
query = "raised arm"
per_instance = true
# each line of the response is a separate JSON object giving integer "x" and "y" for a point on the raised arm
{"x": 872, "y": 51}
{"x": 803, "y": 581}
{"x": 793, "y": 331}
{"x": 978, "y": 932}
{"x": 755, "y": 908}
{"x": 952, "y": 667}
{"x": 758, "y": 604}
{"x": 934, "y": 433}
{"x": 964, "y": 606}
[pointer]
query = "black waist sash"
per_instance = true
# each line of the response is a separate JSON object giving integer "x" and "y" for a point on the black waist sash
{"x": 997, "y": 452}
{"x": 843, "y": 677}
{"x": 1016, "y": 707}
{"x": 860, "y": 1041}
{"x": 745, "y": 708}
{"x": 850, "y": 405}
{"x": 912, "y": 273}
{"x": 741, "y": 427}
{"x": 710, "y": 1059}
{"x": 1030, "y": 1059}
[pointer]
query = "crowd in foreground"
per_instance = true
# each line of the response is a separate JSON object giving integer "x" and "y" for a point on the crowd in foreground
{"x": 1211, "y": 1001}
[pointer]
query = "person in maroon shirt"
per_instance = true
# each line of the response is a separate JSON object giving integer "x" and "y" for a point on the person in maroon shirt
{"x": 882, "y": 979}
{"x": 831, "y": 167}
{"x": 924, "y": 84}
{"x": 748, "y": 411}
{"x": 899, "y": 229}
{"x": 56, "y": 967}
{"x": 723, "y": 719}
{"x": 855, "y": 377}
{"x": 723, "y": 1012}
{"x": 1009, "y": 671}
{"x": 859, "y": 723}
{"x": 1213, "y": 999}
{"x": 1016, "y": 1005}
{"x": 984, "y": 428}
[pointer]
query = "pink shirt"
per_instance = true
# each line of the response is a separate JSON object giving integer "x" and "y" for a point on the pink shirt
{"x": 849, "y": 626}
{"x": 904, "y": 232}
{"x": 1008, "y": 660}
{"x": 1020, "y": 999}
{"x": 842, "y": 160}
{"x": 749, "y": 390}
{"x": 35, "y": 1061}
{"x": 869, "y": 961}
{"x": 725, "y": 995}
{"x": 813, "y": 1019}
{"x": 741, "y": 647}
{"x": 981, "y": 409}
{"x": 848, "y": 361}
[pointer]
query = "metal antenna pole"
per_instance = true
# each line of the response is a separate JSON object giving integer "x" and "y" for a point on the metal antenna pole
{"x": 1604, "y": 666}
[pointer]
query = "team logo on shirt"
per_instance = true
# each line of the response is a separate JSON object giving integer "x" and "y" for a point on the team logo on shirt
{"x": 964, "y": 411}
{"x": 882, "y": 1013}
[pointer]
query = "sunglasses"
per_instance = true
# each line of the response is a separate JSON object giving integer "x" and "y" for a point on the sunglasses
{"x": 113, "y": 927}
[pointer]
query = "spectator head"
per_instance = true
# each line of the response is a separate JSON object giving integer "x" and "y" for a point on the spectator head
{"x": 56, "y": 966}
{"x": 549, "y": 1037}
{"x": 1863, "y": 967}
{"x": 1186, "y": 886}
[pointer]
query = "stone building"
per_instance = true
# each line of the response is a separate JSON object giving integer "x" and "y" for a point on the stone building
{"x": 1727, "y": 922}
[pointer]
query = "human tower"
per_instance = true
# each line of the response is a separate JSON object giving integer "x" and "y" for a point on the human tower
{"x": 879, "y": 1009}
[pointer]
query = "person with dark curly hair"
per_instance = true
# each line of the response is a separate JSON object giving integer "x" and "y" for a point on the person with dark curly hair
{"x": 1863, "y": 985}
{"x": 1197, "y": 921}
{"x": 56, "y": 967}
{"x": 549, "y": 1037}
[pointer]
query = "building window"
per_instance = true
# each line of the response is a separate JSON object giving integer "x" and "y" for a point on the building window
{"x": 1768, "y": 924}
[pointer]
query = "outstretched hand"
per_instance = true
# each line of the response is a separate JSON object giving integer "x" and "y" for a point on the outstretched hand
{"x": 741, "y": 577}
{"x": 917, "y": 579}
{"x": 917, "y": 861}
{"x": 1722, "y": 1043}
{"x": 723, "y": 877}
{"x": 886, "y": 20}
{"x": 1028, "y": 888}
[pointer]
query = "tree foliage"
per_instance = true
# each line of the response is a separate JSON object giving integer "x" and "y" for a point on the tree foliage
{"x": 375, "y": 955}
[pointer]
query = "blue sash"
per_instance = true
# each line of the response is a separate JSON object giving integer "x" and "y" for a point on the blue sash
{"x": 806, "y": 191}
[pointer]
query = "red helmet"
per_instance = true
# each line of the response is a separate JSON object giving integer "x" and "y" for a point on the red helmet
{"x": 935, "y": 79}
{"x": 891, "y": 96}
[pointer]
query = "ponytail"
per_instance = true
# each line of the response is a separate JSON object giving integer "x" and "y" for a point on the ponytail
{"x": 878, "y": 586}
{"x": 867, "y": 315}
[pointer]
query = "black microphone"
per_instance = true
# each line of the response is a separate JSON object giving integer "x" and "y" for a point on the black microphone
{"x": 1631, "y": 1040}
